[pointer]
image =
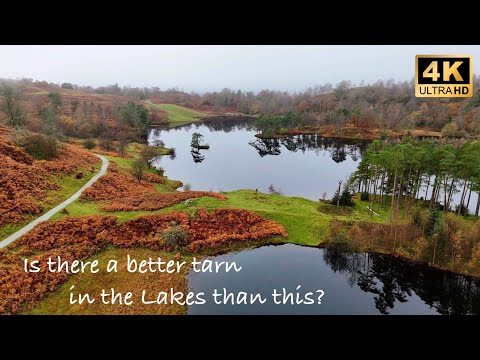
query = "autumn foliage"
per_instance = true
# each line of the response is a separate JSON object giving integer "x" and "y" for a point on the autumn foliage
{"x": 77, "y": 238}
{"x": 24, "y": 181}
{"x": 224, "y": 226}
{"x": 206, "y": 230}
{"x": 153, "y": 178}
{"x": 127, "y": 194}
{"x": 69, "y": 238}
{"x": 156, "y": 201}
{"x": 69, "y": 160}
{"x": 115, "y": 185}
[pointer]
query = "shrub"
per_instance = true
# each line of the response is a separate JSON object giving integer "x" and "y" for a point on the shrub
{"x": 158, "y": 143}
{"x": 417, "y": 217}
{"x": 273, "y": 190}
{"x": 138, "y": 169}
{"x": 187, "y": 187}
{"x": 149, "y": 154}
{"x": 106, "y": 144}
{"x": 160, "y": 170}
{"x": 89, "y": 144}
{"x": 364, "y": 196}
{"x": 345, "y": 198}
{"x": 174, "y": 236}
{"x": 41, "y": 147}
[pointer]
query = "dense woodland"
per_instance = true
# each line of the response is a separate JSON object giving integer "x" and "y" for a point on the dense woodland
{"x": 429, "y": 170}
{"x": 412, "y": 183}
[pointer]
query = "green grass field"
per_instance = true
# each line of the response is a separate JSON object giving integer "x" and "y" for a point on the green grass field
{"x": 177, "y": 114}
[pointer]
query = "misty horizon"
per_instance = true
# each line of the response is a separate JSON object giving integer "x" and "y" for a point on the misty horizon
{"x": 203, "y": 69}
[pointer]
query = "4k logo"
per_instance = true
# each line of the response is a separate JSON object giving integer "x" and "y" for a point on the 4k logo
{"x": 443, "y": 76}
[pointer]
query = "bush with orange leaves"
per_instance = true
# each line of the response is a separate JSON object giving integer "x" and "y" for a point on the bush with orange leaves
{"x": 115, "y": 185}
{"x": 77, "y": 238}
{"x": 156, "y": 201}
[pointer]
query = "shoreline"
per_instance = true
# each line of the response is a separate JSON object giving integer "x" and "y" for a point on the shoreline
{"x": 350, "y": 133}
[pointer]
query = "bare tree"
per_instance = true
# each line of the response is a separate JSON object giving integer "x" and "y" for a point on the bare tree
{"x": 339, "y": 188}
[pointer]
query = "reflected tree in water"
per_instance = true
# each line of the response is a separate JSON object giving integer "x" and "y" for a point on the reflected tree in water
{"x": 266, "y": 146}
{"x": 197, "y": 156}
{"x": 391, "y": 280}
{"x": 290, "y": 144}
{"x": 338, "y": 149}
{"x": 339, "y": 154}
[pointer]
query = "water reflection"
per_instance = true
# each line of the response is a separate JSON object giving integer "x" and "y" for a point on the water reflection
{"x": 197, "y": 156}
{"x": 338, "y": 149}
{"x": 237, "y": 159}
{"x": 390, "y": 279}
{"x": 266, "y": 146}
{"x": 354, "y": 283}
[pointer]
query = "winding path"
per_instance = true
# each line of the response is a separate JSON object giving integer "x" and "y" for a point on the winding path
{"x": 7, "y": 241}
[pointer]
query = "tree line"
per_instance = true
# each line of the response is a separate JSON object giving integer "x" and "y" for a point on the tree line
{"x": 384, "y": 105}
{"x": 400, "y": 174}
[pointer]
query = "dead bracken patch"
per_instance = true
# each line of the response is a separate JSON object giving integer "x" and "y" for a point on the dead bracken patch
{"x": 205, "y": 230}
{"x": 69, "y": 159}
{"x": 24, "y": 181}
{"x": 77, "y": 238}
{"x": 154, "y": 178}
{"x": 69, "y": 238}
{"x": 156, "y": 201}
{"x": 115, "y": 185}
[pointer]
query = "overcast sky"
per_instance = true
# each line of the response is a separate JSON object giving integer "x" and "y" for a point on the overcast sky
{"x": 209, "y": 68}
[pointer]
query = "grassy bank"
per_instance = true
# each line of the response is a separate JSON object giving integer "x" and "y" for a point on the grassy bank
{"x": 177, "y": 115}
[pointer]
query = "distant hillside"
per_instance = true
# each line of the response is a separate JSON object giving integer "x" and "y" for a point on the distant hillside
{"x": 112, "y": 112}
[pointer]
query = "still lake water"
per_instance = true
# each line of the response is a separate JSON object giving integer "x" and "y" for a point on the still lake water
{"x": 305, "y": 166}
{"x": 353, "y": 283}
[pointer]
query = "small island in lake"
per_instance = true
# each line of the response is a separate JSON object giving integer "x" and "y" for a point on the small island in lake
{"x": 196, "y": 143}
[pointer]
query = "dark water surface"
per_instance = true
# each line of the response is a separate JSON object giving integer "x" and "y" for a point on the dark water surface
{"x": 353, "y": 283}
{"x": 305, "y": 165}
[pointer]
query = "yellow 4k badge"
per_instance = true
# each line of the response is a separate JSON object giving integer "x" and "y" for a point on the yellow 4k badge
{"x": 443, "y": 76}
